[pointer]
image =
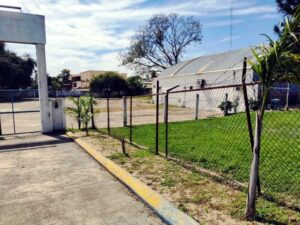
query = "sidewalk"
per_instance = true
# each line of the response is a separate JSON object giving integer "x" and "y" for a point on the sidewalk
{"x": 50, "y": 180}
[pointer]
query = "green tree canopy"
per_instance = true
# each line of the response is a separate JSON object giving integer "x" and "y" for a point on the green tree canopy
{"x": 64, "y": 79}
{"x": 61, "y": 81}
{"x": 135, "y": 85}
{"x": 15, "y": 71}
{"x": 111, "y": 81}
{"x": 287, "y": 7}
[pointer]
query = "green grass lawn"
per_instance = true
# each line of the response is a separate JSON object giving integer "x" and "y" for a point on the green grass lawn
{"x": 222, "y": 145}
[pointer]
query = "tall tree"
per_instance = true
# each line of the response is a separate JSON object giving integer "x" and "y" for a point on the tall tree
{"x": 135, "y": 85}
{"x": 109, "y": 81}
{"x": 64, "y": 78}
{"x": 287, "y": 8}
{"x": 161, "y": 42}
{"x": 274, "y": 63}
{"x": 15, "y": 71}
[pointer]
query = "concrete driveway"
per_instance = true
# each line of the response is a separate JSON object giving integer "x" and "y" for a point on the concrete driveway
{"x": 50, "y": 180}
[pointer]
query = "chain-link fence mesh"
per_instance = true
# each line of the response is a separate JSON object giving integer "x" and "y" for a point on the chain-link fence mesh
{"x": 208, "y": 128}
{"x": 221, "y": 143}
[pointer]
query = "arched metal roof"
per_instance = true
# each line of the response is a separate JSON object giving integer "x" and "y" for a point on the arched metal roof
{"x": 232, "y": 60}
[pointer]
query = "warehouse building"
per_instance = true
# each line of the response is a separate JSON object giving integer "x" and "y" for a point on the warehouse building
{"x": 216, "y": 70}
{"x": 208, "y": 71}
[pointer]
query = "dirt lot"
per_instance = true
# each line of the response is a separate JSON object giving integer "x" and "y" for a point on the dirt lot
{"x": 143, "y": 113}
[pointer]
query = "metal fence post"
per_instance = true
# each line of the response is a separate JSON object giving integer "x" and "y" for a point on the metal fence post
{"x": 157, "y": 118}
{"x": 0, "y": 126}
{"x": 248, "y": 116}
{"x": 184, "y": 97}
{"x": 130, "y": 120}
{"x": 166, "y": 122}
{"x": 197, "y": 107}
{"x": 124, "y": 111}
{"x": 165, "y": 107}
{"x": 78, "y": 114}
{"x": 167, "y": 118}
{"x": 226, "y": 105}
{"x": 108, "y": 119}
{"x": 13, "y": 112}
{"x": 287, "y": 97}
{"x": 92, "y": 112}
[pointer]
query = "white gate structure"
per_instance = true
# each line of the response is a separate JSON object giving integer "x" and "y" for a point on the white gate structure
{"x": 24, "y": 28}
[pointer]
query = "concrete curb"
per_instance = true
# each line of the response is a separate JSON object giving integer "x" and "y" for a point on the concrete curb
{"x": 167, "y": 212}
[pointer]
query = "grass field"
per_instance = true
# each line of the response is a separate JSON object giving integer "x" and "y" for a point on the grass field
{"x": 222, "y": 145}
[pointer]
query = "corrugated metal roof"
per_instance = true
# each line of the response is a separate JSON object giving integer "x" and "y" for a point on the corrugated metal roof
{"x": 216, "y": 62}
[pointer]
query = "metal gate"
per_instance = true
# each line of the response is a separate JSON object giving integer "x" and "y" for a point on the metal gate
{"x": 19, "y": 111}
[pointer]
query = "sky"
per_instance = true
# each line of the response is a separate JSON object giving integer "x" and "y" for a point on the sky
{"x": 90, "y": 34}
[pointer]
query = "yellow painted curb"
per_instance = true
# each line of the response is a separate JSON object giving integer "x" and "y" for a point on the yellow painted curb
{"x": 162, "y": 207}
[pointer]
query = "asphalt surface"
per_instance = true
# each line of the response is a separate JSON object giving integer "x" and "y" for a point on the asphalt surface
{"x": 50, "y": 180}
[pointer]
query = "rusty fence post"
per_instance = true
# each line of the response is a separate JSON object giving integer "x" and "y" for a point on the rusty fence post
{"x": 78, "y": 113}
{"x": 248, "y": 116}
{"x": 226, "y": 105}
{"x": 130, "y": 120}
{"x": 0, "y": 126}
{"x": 13, "y": 112}
{"x": 197, "y": 107}
{"x": 108, "y": 118}
{"x": 124, "y": 111}
{"x": 157, "y": 118}
{"x": 167, "y": 119}
{"x": 92, "y": 112}
{"x": 166, "y": 123}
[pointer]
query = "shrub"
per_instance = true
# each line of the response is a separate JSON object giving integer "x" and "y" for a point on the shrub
{"x": 227, "y": 106}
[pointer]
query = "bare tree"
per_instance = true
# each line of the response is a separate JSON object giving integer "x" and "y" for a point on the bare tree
{"x": 161, "y": 42}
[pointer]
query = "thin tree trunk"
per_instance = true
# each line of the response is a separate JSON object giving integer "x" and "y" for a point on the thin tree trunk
{"x": 254, "y": 171}
{"x": 86, "y": 129}
{"x": 79, "y": 123}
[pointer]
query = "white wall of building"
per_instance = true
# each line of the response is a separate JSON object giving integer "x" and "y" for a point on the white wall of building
{"x": 209, "y": 100}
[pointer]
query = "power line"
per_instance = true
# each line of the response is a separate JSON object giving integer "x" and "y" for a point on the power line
{"x": 231, "y": 18}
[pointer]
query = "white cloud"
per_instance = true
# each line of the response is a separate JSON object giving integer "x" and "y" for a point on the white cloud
{"x": 254, "y": 10}
{"x": 90, "y": 36}
{"x": 222, "y": 23}
{"x": 270, "y": 16}
{"x": 227, "y": 39}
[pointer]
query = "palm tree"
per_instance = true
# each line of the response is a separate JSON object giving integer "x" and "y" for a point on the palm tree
{"x": 86, "y": 114}
{"x": 75, "y": 111}
{"x": 82, "y": 110}
{"x": 275, "y": 63}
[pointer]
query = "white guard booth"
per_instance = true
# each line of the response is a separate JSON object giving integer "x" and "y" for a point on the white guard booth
{"x": 24, "y": 28}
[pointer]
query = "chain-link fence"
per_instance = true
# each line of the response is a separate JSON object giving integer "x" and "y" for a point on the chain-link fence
{"x": 208, "y": 128}
{"x": 20, "y": 109}
{"x": 215, "y": 136}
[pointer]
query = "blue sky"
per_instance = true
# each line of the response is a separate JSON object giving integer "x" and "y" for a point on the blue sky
{"x": 89, "y": 34}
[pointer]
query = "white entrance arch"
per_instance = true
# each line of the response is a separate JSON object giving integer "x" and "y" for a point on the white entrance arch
{"x": 24, "y": 28}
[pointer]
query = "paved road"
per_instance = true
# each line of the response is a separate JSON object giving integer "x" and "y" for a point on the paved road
{"x": 50, "y": 180}
{"x": 143, "y": 113}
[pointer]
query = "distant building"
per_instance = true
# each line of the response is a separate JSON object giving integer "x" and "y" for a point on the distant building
{"x": 217, "y": 70}
{"x": 83, "y": 79}
{"x": 147, "y": 84}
